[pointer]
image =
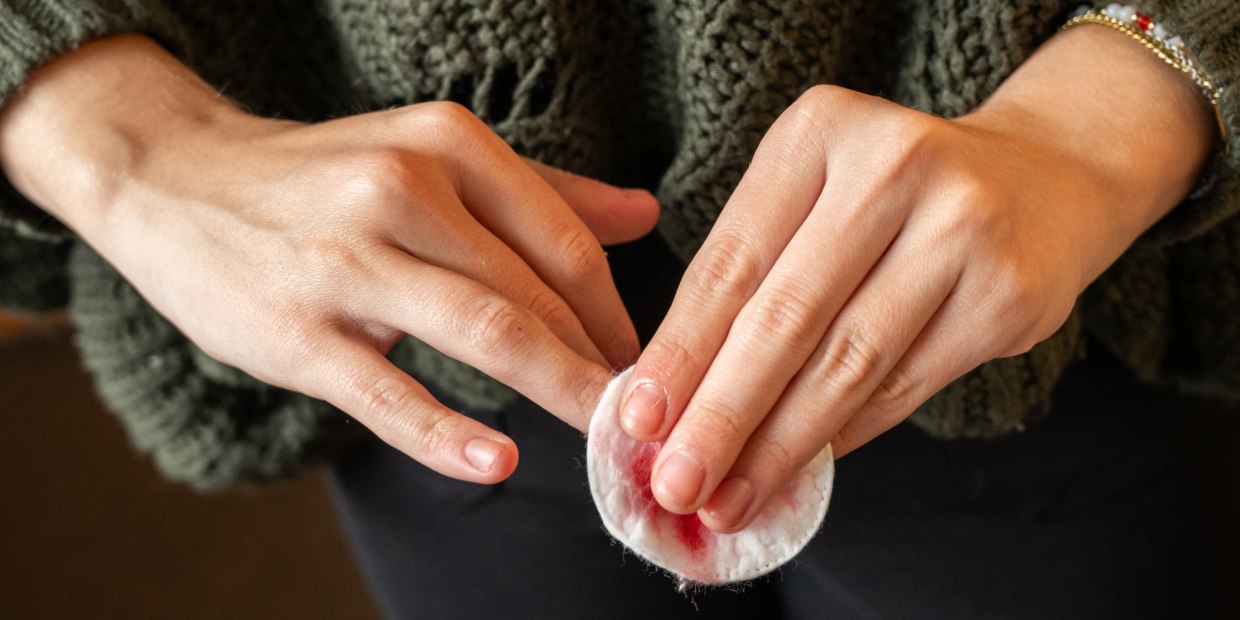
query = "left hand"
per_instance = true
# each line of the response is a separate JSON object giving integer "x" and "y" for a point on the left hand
{"x": 871, "y": 254}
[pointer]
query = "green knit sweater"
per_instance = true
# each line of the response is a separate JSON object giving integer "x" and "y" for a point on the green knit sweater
{"x": 671, "y": 94}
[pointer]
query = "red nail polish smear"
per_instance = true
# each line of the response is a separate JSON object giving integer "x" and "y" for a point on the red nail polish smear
{"x": 689, "y": 529}
{"x": 620, "y": 468}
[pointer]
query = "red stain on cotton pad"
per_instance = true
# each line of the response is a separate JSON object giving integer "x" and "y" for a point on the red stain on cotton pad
{"x": 620, "y": 467}
{"x": 690, "y": 531}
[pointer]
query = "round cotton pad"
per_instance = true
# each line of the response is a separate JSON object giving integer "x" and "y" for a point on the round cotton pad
{"x": 619, "y": 471}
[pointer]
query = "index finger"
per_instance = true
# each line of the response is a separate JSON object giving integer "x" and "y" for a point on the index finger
{"x": 773, "y": 198}
{"x": 518, "y": 206}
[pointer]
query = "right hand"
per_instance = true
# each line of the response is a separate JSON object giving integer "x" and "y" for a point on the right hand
{"x": 302, "y": 253}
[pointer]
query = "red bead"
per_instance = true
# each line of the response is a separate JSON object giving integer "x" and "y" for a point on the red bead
{"x": 1144, "y": 23}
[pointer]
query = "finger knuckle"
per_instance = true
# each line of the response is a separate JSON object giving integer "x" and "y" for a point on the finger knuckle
{"x": 849, "y": 361}
{"x": 895, "y": 392}
{"x": 1014, "y": 292}
{"x": 326, "y": 260}
{"x": 716, "y": 420}
{"x": 907, "y": 141}
{"x": 497, "y": 327}
{"x": 581, "y": 257}
{"x": 724, "y": 269}
{"x": 821, "y": 98}
{"x": 383, "y": 403}
{"x": 668, "y": 354}
{"x": 784, "y": 315}
{"x": 776, "y": 455}
{"x": 549, "y": 308}
{"x": 446, "y": 116}
{"x": 432, "y": 434}
{"x": 975, "y": 212}
{"x": 380, "y": 177}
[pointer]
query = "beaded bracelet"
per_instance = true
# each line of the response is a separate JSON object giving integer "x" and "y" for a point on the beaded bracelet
{"x": 1154, "y": 37}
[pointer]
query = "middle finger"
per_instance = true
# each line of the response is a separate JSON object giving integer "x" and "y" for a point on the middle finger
{"x": 773, "y": 335}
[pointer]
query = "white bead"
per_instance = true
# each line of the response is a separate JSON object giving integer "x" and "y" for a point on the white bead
{"x": 1080, "y": 10}
{"x": 1113, "y": 10}
{"x": 1175, "y": 43}
{"x": 1127, "y": 13}
{"x": 1159, "y": 32}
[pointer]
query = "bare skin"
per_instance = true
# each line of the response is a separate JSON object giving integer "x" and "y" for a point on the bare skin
{"x": 872, "y": 254}
{"x": 302, "y": 253}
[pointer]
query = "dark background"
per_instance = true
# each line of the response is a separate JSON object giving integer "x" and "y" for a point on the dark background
{"x": 87, "y": 529}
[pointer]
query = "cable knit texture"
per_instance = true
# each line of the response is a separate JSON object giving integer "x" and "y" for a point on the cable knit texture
{"x": 670, "y": 94}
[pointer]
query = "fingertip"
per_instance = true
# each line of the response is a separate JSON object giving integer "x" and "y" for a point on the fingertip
{"x": 730, "y": 507}
{"x": 642, "y": 212}
{"x": 677, "y": 482}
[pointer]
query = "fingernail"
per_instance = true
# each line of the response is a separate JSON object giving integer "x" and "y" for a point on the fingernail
{"x": 482, "y": 454}
{"x": 680, "y": 479}
{"x": 731, "y": 501}
{"x": 644, "y": 410}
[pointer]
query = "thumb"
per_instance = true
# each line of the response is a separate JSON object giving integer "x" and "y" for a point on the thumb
{"x": 613, "y": 214}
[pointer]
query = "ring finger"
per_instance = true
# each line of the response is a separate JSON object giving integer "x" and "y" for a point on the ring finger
{"x": 859, "y": 350}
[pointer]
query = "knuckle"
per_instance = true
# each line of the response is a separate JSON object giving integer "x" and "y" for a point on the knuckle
{"x": 716, "y": 421}
{"x": 448, "y": 116}
{"x": 581, "y": 257}
{"x": 383, "y": 403}
{"x": 822, "y": 98}
{"x": 909, "y": 140}
{"x": 1015, "y": 291}
{"x": 801, "y": 126}
{"x": 379, "y": 178}
{"x": 668, "y": 355}
{"x": 895, "y": 392}
{"x": 849, "y": 360}
{"x": 784, "y": 315}
{"x": 441, "y": 127}
{"x": 330, "y": 258}
{"x": 547, "y": 306}
{"x": 777, "y": 456}
{"x": 432, "y": 436}
{"x": 724, "y": 269}
{"x": 975, "y": 212}
{"x": 496, "y": 327}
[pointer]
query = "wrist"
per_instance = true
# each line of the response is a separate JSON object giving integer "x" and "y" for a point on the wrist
{"x": 87, "y": 126}
{"x": 1094, "y": 96}
{"x": 1122, "y": 133}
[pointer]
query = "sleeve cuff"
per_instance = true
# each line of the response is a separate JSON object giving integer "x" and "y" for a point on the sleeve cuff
{"x": 1211, "y": 31}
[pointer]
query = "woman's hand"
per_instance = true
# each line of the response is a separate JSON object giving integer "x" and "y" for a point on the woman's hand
{"x": 872, "y": 254}
{"x": 301, "y": 254}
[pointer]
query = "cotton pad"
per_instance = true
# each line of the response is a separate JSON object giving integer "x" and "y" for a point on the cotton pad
{"x": 619, "y": 468}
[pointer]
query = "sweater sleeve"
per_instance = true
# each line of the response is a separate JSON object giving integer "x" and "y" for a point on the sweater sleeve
{"x": 33, "y": 32}
{"x": 1167, "y": 308}
{"x": 1211, "y": 31}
